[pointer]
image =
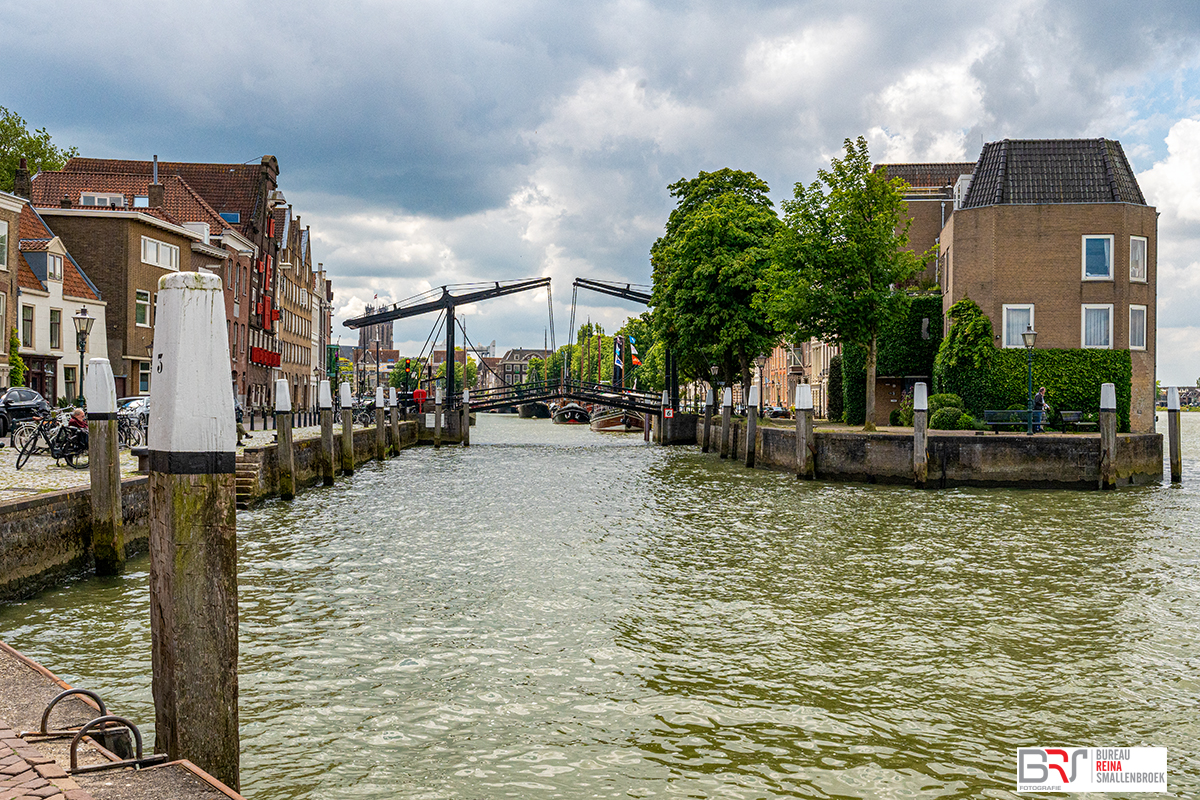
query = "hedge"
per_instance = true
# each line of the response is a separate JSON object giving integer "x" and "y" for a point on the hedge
{"x": 1072, "y": 379}
{"x": 835, "y": 389}
{"x": 902, "y": 351}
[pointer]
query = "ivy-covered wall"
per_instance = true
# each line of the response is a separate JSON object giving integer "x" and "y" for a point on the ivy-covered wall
{"x": 903, "y": 350}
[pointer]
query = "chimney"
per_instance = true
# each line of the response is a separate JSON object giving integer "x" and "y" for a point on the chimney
{"x": 22, "y": 186}
{"x": 65, "y": 202}
{"x": 156, "y": 195}
{"x": 155, "y": 170}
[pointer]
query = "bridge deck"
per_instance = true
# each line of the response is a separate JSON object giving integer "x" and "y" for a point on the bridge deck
{"x": 547, "y": 391}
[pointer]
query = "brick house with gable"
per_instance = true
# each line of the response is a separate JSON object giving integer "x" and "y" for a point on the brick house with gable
{"x": 10, "y": 216}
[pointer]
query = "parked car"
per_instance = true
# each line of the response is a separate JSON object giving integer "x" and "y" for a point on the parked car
{"x": 775, "y": 412}
{"x": 137, "y": 406}
{"x": 19, "y": 403}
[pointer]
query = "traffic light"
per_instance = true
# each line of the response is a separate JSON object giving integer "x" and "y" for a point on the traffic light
{"x": 407, "y": 372}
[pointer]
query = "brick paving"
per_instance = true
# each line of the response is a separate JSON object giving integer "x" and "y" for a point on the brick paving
{"x": 27, "y": 773}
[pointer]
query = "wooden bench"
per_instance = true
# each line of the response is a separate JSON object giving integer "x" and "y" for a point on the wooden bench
{"x": 1011, "y": 418}
{"x": 1076, "y": 421}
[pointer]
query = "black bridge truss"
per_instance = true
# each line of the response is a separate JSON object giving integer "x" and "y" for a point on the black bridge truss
{"x": 556, "y": 389}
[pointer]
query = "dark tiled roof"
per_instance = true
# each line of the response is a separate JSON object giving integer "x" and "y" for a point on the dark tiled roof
{"x": 33, "y": 229}
{"x": 180, "y": 201}
{"x": 933, "y": 176}
{"x": 1039, "y": 171}
{"x": 33, "y": 245}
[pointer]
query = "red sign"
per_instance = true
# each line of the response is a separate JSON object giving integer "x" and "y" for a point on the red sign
{"x": 669, "y": 413}
{"x": 264, "y": 357}
{"x": 419, "y": 395}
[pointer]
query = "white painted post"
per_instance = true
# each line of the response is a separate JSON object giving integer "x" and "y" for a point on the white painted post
{"x": 437, "y": 417}
{"x": 1108, "y": 436}
{"x": 347, "y": 404}
{"x": 393, "y": 402}
{"x": 466, "y": 418}
{"x": 108, "y": 525}
{"x": 726, "y": 413}
{"x": 751, "y": 425}
{"x": 805, "y": 442}
{"x": 285, "y": 456}
{"x": 325, "y": 402}
{"x": 920, "y": 434}
{"x": 380, "y": 430}
{"x": 709, "y": 402}
{"x": 193, "y": 528}
{"x": 1174, "y": 435}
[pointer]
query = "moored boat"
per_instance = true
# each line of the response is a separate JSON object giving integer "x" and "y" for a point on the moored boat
{"x": 533, "y": 411}
{"x": 617, "y": 420}
{"x": 571, "y": 414}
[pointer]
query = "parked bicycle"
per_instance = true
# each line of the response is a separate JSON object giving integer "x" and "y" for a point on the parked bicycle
{"x": 58, "y": 440}
{"x": 130, "y": 431}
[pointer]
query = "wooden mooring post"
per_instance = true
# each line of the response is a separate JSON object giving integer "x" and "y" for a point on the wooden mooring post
{"x": 805, "y": 443}
{"x": 380, "y": 429}
{"x": 347, "y": 404}
{"x": 1108, "y": 436}
{"x": 466, "y": 418}
{"x": 328, "y": 456}
{"x": 1174, "y": 435}
{"x": 706, "y": 437}
{"x": 285, "y": 455}
{"x": 663, "y": 406}
{"x": 726, "y": 413}
{"x": 108, "y": 525}
{"x": 437, "y": 418}
{"x": 394, "y": 409}
{"x": 920, "y": 434}
{"x": 193, "y": 528}
{"x": 751, "y": 424}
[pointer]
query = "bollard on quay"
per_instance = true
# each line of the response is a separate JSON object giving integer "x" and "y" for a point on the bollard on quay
{"x": 466, "y": 418}
{"x": 708, "y": 409}
{"x": 347, "y": 404}
{"x": 806, "y": 462}
{"x": 108, "y": 524}
{"x": 380, "y": 430}
{"x": 285, "y": 456}
{"x": 394, "y": 410}
{"x": 193, "y": 529}
{"x": 1108, "y": 436}
{"x": 437, "y": 418}
{"x": 325, "y": 400}
{"x": 751, "y": 425}
{"x": 920, "y": 434}
{"x": 663, "y": 404}
{"x": 1174, "y": 435}
{"x": 726, "y": 413}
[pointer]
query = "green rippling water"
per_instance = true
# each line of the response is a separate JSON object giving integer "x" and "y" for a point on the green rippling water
{"x": 558, "y": 613}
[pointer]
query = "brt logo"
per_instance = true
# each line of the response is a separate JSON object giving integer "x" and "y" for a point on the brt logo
{"x": 1046, "y": 767}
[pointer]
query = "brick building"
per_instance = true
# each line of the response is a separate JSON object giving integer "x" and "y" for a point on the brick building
{"x": 296, "y": 282}
{"x": 1056, "y": 234}
{"x": 10, "y": 216}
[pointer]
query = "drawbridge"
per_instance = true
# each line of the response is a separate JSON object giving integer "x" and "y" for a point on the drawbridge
{"x": 555, "y": 389}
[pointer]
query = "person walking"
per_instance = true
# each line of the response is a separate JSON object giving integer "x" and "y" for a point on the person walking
{"x": 1040, "y": 409}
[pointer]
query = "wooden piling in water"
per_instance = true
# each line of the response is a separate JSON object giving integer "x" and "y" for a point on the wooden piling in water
{"x": 1174, "y": 435}
{"x": 706, "y": 437}
{"x": 805, "y": 444}
{"x": 347, "y": 404}
{"x": 1108, "y": 436}
{"x": 285, "y": 454}
{"x": 751, "y": 425}
{"x": 920, "y": 435}
{"x": 193, "y": 529}
{"x": 466, "y": 418}
{"x": 108, "y": 526}
{"x": 328, "y": 456}
{"x": 380, "y": 430}
{"x": 394, "y": 410}
{"x": 437, "y": 418}
{"x": 726, "y": 413}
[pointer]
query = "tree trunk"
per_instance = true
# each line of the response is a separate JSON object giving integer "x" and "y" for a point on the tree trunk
{"x": 870, "y": 417}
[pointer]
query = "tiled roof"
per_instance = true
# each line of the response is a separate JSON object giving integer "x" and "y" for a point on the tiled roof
{"x": 1038, "y": 171}
{"x": 75, "y": 281}
{"x": 226, "y": 187}
{"x": 25, "y": 277}
{"x": 32, "y": 245}
{"x": 180, "y": 201}
{"x": 935, "y": 175}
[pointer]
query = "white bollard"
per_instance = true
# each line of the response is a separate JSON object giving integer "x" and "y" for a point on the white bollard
{"x": 466, "y": 418}
{"x": 347, "y": 404}
{"x": 325, "y": 403}
{"x": 394, "y": 411}
{"x": 726, "y": 413}
{"x": 380, "y": 430}
{"x": 1108, "y": 436}
{"x": 108, "y": 526}
{"x": 805, "y": 443}
{"x": 437, "y": 417}
{"x": 193, "y": 528}
{"x": 751, "y": 425}
{"x": 285, "y": 456}
{"x": 1174, "y": 435}
{"x": 706, "y": 437}
{"x": 920, "y": 434}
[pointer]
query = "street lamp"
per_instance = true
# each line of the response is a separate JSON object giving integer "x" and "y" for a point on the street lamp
{"x": 83, "y": 327}
{"x": 1030, "y": 336}
{"x": 761, "y": 361}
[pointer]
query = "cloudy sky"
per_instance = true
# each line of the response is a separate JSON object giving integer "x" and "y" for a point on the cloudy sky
{"x": 444, "y": 142}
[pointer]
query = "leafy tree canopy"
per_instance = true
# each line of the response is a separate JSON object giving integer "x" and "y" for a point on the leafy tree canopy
{"x": 471, "y": 371}
{"x": 16, "y": 142}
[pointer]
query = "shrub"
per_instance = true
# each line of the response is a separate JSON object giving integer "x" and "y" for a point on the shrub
{"x": 895, "y": 418}
{"x": 945, "y": 419}
{"x": 906, "y": 409}
{"x": 945, "y": 400}
{"x": 835, "y": 389}
{"x": 966, "y": 423}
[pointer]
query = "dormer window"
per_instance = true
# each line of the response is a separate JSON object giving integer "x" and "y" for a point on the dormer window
{"x": 102, "y": 199}
{"x": 141, "y": 201}
{"x": 232, "y": 217}
{"x": 54, "y": 267}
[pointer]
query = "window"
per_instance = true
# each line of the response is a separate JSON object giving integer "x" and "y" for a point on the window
{"x": 1137, "y": 327}
{"x": 27, "y": 326}
{"x": 56, "y": 329}
{"x": 3, "y": 312}
{"x": 1097, "y": 326}
{"x": 3, "y": 248}
{"x": 143, "y": 377}
{"x": 159, "y": 253}
{"x": 141, "y": 201}
{"x": 102, "y": 199}
{"x": 1016, "y": 319}
{"x": 232, "y": 217}
{"x": 141, "y": 310}
{"x": 154, "y": 309}
{"x": 1137, "y": 259}
{"x": 1097, "y": 258}
{"x": 54, "y": 266}
{"x": 69, "y": 380}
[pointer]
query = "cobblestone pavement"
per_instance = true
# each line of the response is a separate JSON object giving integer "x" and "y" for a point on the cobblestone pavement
{"x": 25, "y": 772}
{"x": 40, "y": 474}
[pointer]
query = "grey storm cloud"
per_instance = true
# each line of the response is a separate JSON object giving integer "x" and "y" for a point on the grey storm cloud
{"x": 429, "y": 143}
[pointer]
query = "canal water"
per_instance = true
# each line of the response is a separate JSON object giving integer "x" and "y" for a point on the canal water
{"x": 558, "y": 613}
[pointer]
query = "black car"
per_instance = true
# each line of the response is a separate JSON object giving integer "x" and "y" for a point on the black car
{"x": 19, "y": 403}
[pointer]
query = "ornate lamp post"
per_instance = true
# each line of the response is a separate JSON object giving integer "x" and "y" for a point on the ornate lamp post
{"x": 83, "y": 327}
{"x": 761, "y": 361}
{"x": 1030, "y": 336}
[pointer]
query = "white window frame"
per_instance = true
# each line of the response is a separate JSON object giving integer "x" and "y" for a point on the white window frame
{"x": 54, "y": 267}
{"x": 1083, "y": 256}
{"x": 1004, "y": 322}
{"x": 59, "y": 346}
{"x": 4, "y": 312}
{"x": 31, "y": 341}
{"x": 101, "y": 199}
{"x": 1083, "y": 326}
{"x": 143, "y": 377}
{"x": 3, "y": 247}
{"x": 141, "y": 297}
{"x": 160, "y": 253}
{"x": 1145, "y": 325}
{"x": 1145, "y": 277}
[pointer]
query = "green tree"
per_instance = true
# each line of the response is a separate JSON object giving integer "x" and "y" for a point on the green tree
{"x": 16, "y": 142}
{"x": 397, "y": 377}
{"x": 707, "y": 269}
{"x": 651, "y": 373}
{"x": 840, "y": 258}
{"x": 536, "y": 371}
{"x": 460, "y": 381}
{"x": 16, "y": 364}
